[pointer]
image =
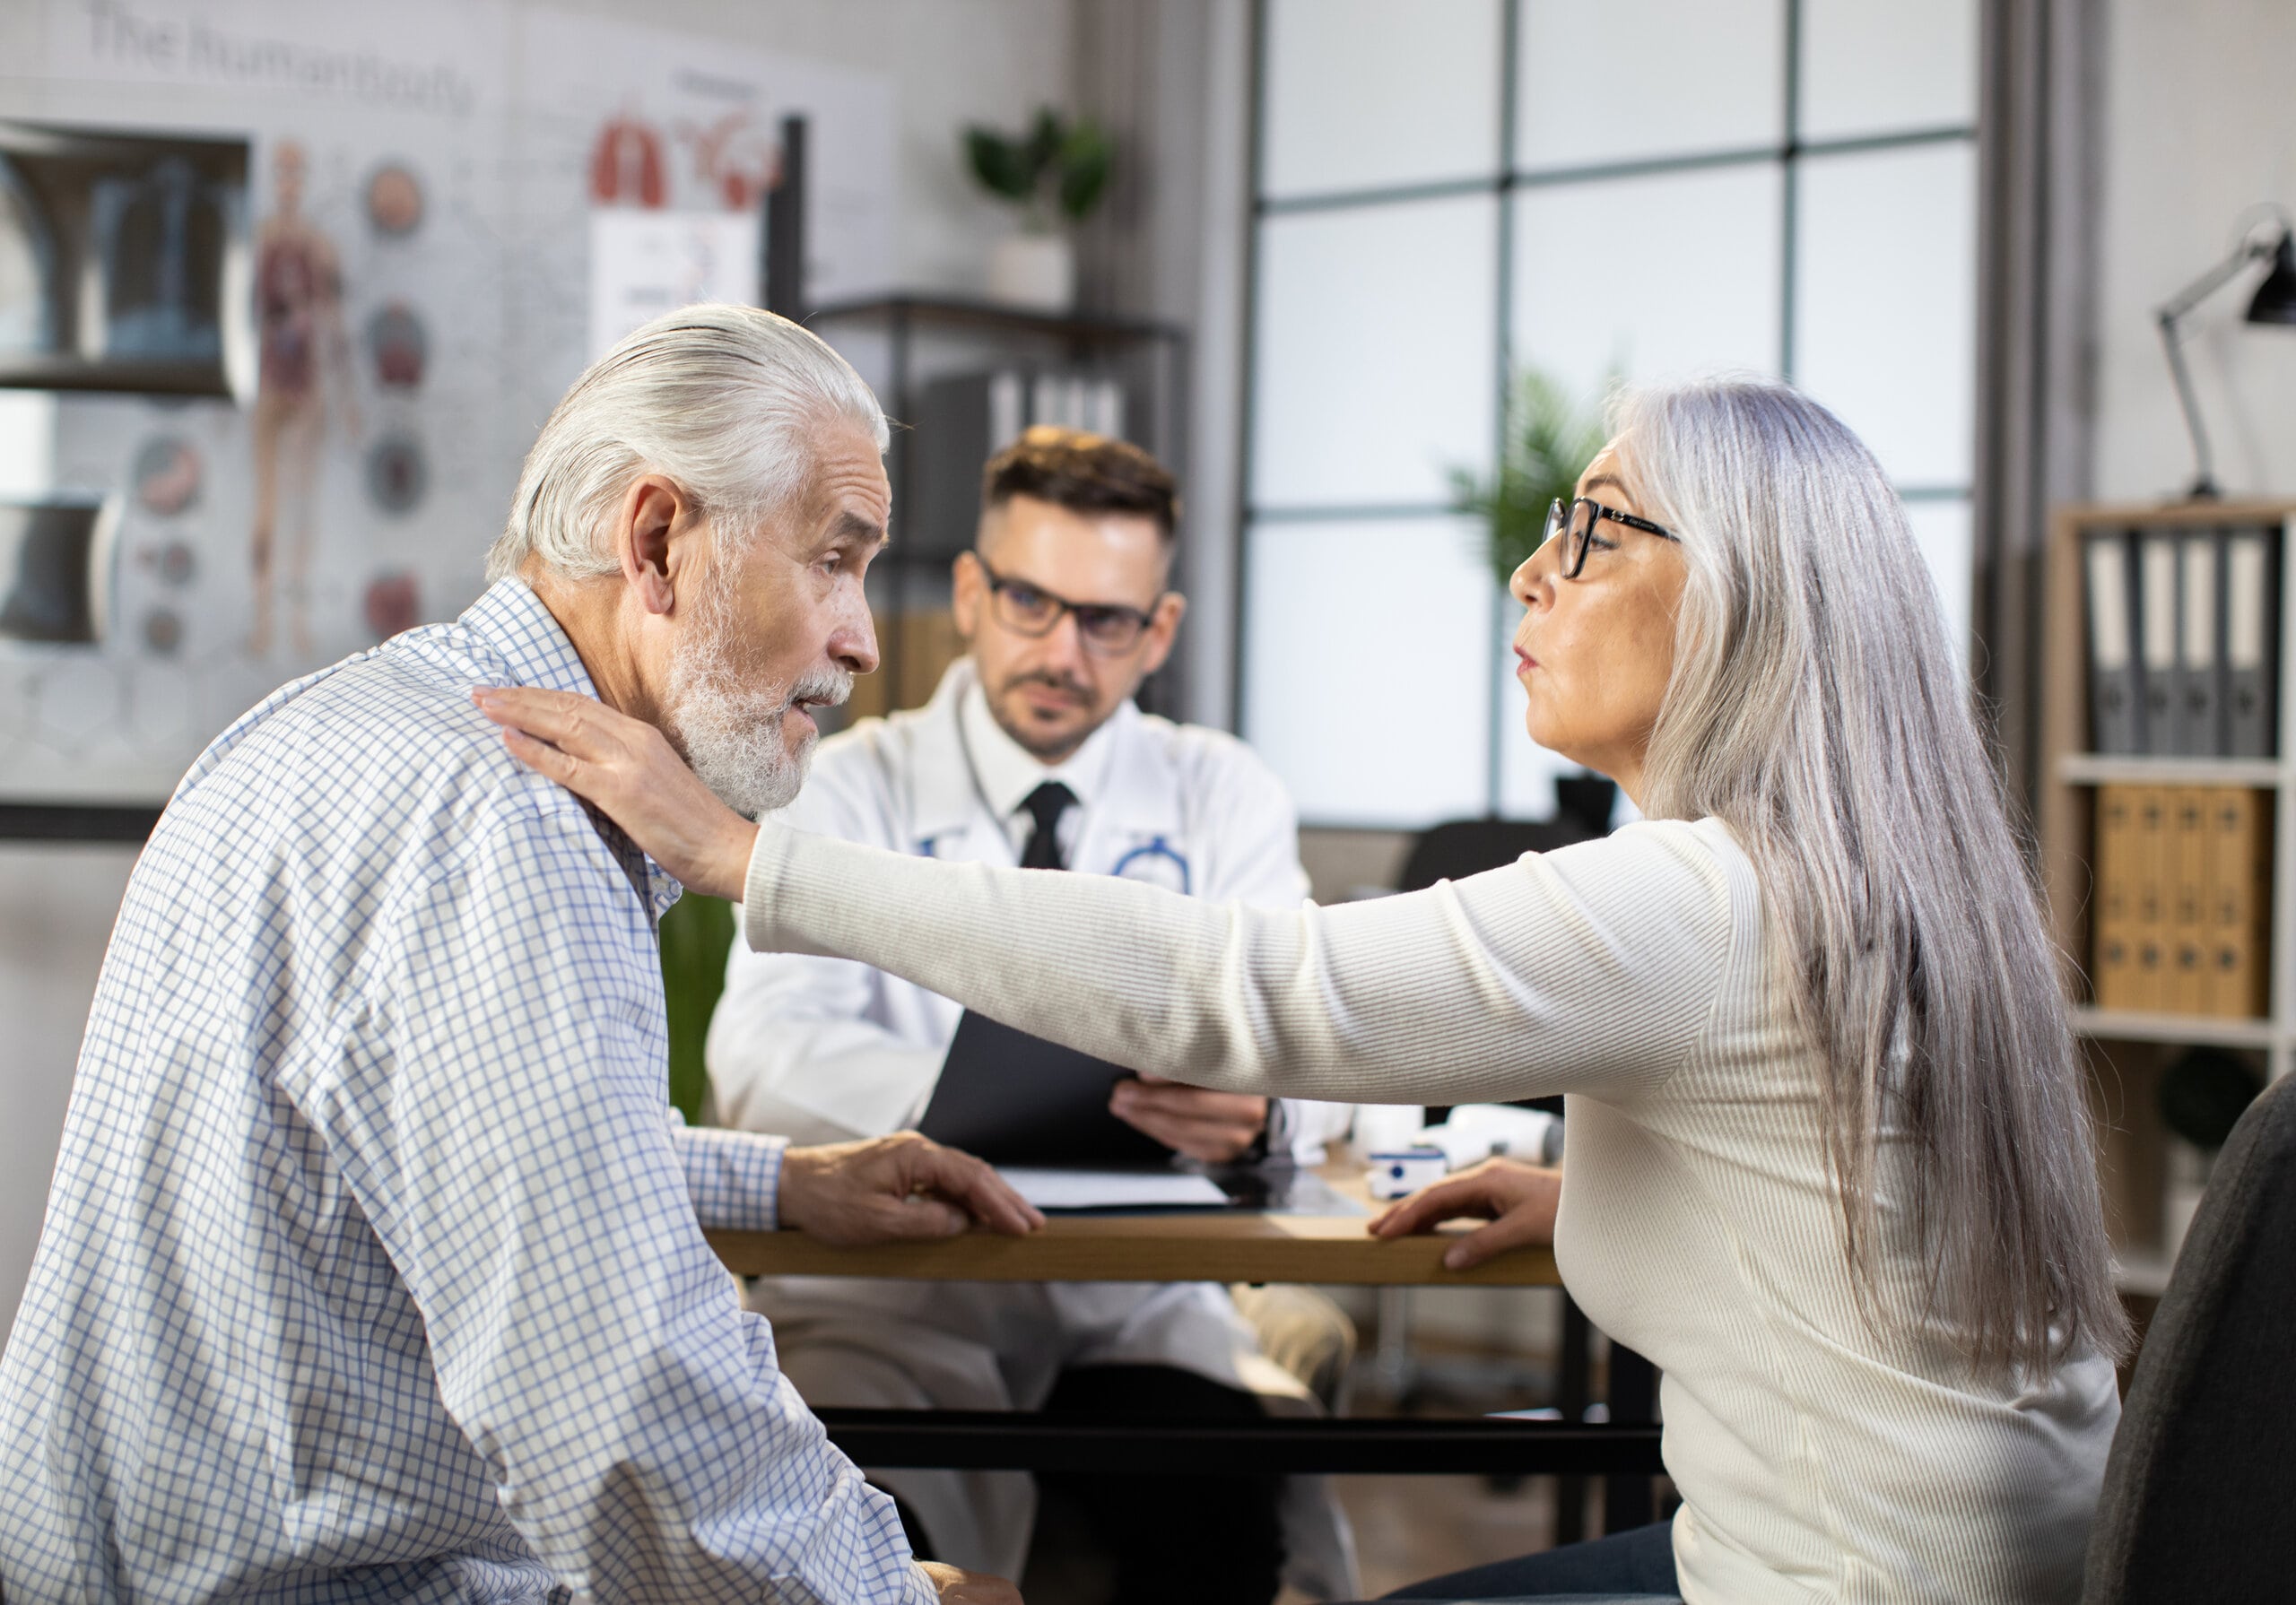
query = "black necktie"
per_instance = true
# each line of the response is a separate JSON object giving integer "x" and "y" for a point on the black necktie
{"x": 1046, "y": 804}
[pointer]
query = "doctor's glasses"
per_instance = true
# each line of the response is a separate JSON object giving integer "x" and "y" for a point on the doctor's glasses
{"x": 1108, "y": 629}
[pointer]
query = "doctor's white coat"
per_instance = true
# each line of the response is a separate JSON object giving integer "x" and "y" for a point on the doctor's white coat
{"x": 825, "y": 1050}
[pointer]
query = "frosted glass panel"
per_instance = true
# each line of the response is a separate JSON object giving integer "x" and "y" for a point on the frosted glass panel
{"x": 1885, "y": 329}
{"x": 1367, "y": 652}
{"x": 1941, "y": 528}
{"x": 1362, "y": 93}
{"x": 1662, "y": 276}
{"x": 1373, "y": 358}
{"x": 1617, "y": 80}
{"x": 1878, "y": 66}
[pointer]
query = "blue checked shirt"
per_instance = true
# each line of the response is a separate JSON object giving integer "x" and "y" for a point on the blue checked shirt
{"x": 373, "y": 1268}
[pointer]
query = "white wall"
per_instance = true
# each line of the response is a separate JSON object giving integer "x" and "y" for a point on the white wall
{"x": 2200, "y": 124}
{"x": 955, "y": 62}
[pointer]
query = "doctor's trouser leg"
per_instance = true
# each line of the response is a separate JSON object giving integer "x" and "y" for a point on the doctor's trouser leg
{"x": 977, "y": 1520}
{"x": 1209, "y": 1539}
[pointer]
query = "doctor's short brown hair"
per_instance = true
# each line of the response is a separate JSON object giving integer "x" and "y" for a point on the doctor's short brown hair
{"x": 1083, "y": 472}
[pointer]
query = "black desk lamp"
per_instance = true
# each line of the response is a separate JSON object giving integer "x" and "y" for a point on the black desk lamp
{"x": 2274, "y": 303}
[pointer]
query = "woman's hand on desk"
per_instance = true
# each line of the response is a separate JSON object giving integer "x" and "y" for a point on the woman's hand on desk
{"x": 887, "y": 1189}
{"x": 628, "y": 769}
{"x": 1519, "y": 1199}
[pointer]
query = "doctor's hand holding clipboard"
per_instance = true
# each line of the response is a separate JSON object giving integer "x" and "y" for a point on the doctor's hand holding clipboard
{"x": 1203, "y": 1124}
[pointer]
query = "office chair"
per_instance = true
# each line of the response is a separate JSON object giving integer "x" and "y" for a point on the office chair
{"x": 2195, "y": 1502}
{"x": 1458, "y": 848}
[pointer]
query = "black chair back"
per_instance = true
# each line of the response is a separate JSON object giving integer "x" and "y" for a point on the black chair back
{"x": 1464, "y": 847}
{"x": 2202, "y": 1482}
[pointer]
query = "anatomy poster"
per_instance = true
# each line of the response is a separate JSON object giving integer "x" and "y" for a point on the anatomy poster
{"x": 672, "y": 141}
{"x": 429, "y": 184}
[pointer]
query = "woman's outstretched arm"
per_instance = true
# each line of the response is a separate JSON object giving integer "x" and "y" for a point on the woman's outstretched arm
{"x": 1592, "y": 969}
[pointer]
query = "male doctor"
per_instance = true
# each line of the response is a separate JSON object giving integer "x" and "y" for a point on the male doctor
{"x": 1032, "y": 753}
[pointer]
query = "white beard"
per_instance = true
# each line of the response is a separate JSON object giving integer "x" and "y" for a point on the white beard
{"x": 730, "y": 727}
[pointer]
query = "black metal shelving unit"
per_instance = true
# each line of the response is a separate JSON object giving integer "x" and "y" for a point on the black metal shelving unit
{"x": 68, "y": 822}
{"x": 1157, "y": 354}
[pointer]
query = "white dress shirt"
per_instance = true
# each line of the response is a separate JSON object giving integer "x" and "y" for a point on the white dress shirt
{"x": 1009, "y": 774}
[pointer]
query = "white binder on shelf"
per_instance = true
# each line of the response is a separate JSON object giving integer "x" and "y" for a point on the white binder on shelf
{"x": 2200, "y": 602}
{"x": 2157, "y": 619}
{"x": 1007, "y": 417}
{"x": 2252, "y": 642}
{"x": 2114, "y": 715}
{"x": 1106, "y": 415}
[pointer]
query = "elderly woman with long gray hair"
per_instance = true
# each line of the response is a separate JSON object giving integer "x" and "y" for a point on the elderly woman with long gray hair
{"x": 1830, "y": 1162}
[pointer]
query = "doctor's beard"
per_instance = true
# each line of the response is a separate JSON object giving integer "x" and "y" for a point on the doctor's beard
{"x": 728, "y": 726}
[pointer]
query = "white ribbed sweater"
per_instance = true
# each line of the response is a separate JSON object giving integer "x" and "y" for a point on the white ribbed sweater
{"x": 1817, "y": 1460}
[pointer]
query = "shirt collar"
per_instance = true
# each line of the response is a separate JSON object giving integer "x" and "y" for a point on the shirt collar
{"x": 1008, "y": 772}
{"x": 509, "y": 618}
{"x": 512, "y": 619}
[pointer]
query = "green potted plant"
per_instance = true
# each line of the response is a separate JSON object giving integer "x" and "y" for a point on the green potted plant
{"x": 1054, "y": 173}
{"x": 695, "y": 934}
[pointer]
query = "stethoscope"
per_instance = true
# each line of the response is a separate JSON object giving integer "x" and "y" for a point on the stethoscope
{"x": 1148, "y": 852}
{"x": 1155, "y": 848}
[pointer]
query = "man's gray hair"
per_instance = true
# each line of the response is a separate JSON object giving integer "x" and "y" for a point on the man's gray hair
{"x": 1817, "y": 708}
{"x": 723, "y": 400}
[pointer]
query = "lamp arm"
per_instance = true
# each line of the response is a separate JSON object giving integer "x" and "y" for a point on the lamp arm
{"x": 2203, "y": 481}
{"x": 2174, "y": 309}
{"x": 2168, "y": 314}
{"x": 2172, "y": 312}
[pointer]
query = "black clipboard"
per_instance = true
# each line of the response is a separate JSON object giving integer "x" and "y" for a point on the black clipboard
{"x": 1016, "y": 1099}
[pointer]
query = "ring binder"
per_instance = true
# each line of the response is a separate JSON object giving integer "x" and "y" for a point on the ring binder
{"x": 2113, "y": 687}
{"x": 2156, "y": 625}
{"x": 2252, "y": 642}
{"x": 2200, "y": 721}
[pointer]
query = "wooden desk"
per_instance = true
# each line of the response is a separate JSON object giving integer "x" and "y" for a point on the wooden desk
{"x": 1207, "y": 1245}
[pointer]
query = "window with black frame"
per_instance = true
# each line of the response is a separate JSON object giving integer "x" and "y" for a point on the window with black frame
{"x": 1449, "y": 193}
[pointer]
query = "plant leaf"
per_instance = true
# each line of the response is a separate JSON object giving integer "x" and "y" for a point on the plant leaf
{"x": 1043, "y": 144}
{"x": 1086, "y": 158}
{"x": 999, "y": 164}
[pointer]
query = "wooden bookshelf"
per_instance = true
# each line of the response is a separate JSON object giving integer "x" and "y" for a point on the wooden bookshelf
{"x": 2130, "y": 1049}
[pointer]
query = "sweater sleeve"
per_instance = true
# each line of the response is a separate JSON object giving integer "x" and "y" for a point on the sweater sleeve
{"x": 1591, "y": 969}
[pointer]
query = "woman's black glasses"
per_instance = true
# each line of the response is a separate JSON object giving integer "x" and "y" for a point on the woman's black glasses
{"x": 1107, "y": 628}
{"x": 1575, "y": 524}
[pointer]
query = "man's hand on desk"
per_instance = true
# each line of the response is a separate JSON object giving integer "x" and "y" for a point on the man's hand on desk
{"x": 1212, "y": 1126}
{"x": 885, "y": 1188}
{"x": 968, "y": 1588}
{"x": 1519, "y": 1199}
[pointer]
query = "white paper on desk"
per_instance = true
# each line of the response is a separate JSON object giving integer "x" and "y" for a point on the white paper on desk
{"x": 1111, "y": 1189}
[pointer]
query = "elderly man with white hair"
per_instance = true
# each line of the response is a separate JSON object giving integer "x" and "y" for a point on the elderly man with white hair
{"x": 376, "y": 1070}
